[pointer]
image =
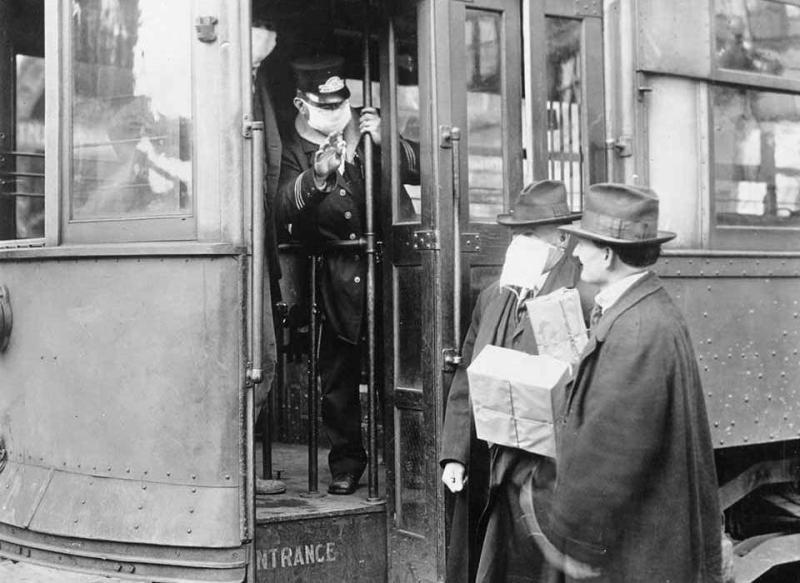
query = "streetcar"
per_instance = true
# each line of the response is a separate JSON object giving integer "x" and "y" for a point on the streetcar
{"x": 142, "y": 324}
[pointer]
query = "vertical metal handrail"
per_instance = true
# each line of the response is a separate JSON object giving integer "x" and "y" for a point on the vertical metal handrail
{"x": 255, "y": 373}
{"x": 313, "y": 382}
{"x": 369, "y": 234}
{"x": 455, "y": 139}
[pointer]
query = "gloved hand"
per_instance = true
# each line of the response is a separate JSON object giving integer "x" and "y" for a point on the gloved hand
{"x": 328, "y": 158}
{"x": 453, "y": 476}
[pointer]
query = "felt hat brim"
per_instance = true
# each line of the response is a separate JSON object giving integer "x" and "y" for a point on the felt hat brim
{"x": 510, "y": 220}
{"x": 661, "y": 237}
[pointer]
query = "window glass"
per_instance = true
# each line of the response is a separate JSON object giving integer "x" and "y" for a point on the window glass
{"x": 564, "y": 161}
{"x": 483, "y": 37}
{"x": 131, "y": 109}
{"x": 21, "y": 121}
{"x": 757, "y": 171}
{"x": 28, "y": 184}
{"x": 407, "y": 89}
{"x": 758, "y": 36}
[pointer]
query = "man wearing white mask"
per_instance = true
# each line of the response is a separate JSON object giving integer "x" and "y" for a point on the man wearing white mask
{"x": 487, "y": 538}
{"x": 323, "y": 201}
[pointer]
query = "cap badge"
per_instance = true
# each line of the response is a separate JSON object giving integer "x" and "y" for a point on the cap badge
{"x": 332, "y": 85}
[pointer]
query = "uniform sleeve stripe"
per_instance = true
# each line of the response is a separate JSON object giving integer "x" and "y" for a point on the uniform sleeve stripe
{"x": 412, "y": 158}
{"x": 298, "y": 193}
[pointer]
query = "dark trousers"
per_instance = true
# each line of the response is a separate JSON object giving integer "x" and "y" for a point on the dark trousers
{"x": 340, "y": 371}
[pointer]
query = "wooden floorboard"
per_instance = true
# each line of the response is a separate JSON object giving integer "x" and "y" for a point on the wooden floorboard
{"x": 290, "y": 461}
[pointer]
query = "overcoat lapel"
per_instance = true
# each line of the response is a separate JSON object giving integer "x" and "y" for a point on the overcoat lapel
{"x": 646, "y": 286}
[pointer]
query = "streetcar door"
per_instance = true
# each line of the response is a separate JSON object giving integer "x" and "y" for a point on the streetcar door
{"x": 498, "y": 93}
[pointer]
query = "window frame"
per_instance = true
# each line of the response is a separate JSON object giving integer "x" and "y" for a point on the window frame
{"x": 731, "y": 237}
{"x": 63, "y": 228}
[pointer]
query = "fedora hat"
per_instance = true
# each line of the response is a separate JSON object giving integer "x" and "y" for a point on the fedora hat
{"x": 540, "y": 203}
{"x": 620, "y": 214}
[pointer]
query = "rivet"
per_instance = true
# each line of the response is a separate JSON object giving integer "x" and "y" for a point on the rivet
{"x": 733, "y": 423}
{"x": 141, "y": 506}
{"x": 746, "y": 399}
{"x": 705, "y": 314}
{"x": 227, "y": 477}
{"x": 189, "y": 530}
{"x": 191, "y": 510}
{"x": 83, "y": 501}
{"x": 756, "y": 420}
{"x": 194, "y": 477}
{"x": 194, "y": 490}
{"x": 744, "y": 439}
{"x": 135, "y": 527}
{"x": 716, "y": 423}
{"x": 127, "y": 470}
{"x": 168, "y": 474}
{"x": 109, "y": 468}
{"x": 144, "y": 486}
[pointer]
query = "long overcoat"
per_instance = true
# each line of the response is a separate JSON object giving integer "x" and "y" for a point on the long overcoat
{"x": 493, "y": 322}
{"x": 636, "y": 488}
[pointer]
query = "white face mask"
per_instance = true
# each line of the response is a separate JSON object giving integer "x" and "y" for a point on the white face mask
{"x": 262, "y": 42}
{"x": 527, "y": 258}
{"x": 327, "y": 121}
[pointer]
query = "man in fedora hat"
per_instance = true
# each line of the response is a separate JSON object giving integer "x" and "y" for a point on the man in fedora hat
{"x": 323, "y": 202}
{"x": 537, "y": 262}
{"x": 636, "y": 492}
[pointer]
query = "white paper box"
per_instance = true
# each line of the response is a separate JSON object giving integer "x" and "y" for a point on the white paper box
{"x": 510, "y": 393}
{"x": 558, "y": 326}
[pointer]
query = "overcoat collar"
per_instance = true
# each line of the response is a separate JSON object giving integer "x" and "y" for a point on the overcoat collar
{"x": 647, "y": 285}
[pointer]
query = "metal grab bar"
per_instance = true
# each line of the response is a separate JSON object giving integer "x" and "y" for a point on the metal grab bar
{"x": 452, "y": 357}
{"x": 313, "y": 383}
{"x": 255, "y": 371}
{"x": 371, "y": 250}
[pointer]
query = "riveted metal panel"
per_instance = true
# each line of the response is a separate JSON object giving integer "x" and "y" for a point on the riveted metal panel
{"x": 144, "y": 511}
{"x": 21, "y": 490}
{"x": 744, "y": 317}
{"x": 329, "y": 550}
{"x": 128, "y": 370}
{"x": 674, "y": 37}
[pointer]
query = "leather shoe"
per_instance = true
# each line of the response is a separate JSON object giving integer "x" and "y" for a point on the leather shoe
{"x": 343, "y": 484}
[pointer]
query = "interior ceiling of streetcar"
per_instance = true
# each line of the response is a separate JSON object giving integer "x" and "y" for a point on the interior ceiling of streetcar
{"x": 27, "y": 17}
{"x": 320, "y": 27}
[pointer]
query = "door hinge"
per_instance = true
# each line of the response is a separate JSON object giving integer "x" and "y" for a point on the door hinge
{"x": 451, "y": 358}
{"x": 248, "y": 125}
{"x": 426, "y": 240}
{"x": 470, "y": 242}
{"x": 206, "y": 27}
{"x": 447, "y": 135}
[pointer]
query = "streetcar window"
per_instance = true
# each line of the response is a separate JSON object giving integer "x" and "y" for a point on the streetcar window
{"x": 756, "y": 140}
{"x": 564, "y": 105}
{"x": 756, "y": 129}
{"x": 21, "y": 120}
{"x": 131, "y": 109}
{"x": 483, "y": 39}
{"x": 758, "y": 36}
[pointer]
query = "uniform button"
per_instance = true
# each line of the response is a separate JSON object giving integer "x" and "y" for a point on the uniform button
{"x": 348, "y": 214}
{"x": 342, "y": 192}
{"x": 357, "y": 279}
{"x": 352, "y": 236}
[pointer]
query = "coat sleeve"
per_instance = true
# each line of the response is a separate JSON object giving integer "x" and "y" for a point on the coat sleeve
{"x": 458, "y": 423}
{"x": 622, "y": 417}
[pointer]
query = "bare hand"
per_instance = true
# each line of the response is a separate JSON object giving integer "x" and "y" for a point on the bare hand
{"x": 370, "y": 122}
{"x": 329, "y": 156}
{"x": 453, "y": 476}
